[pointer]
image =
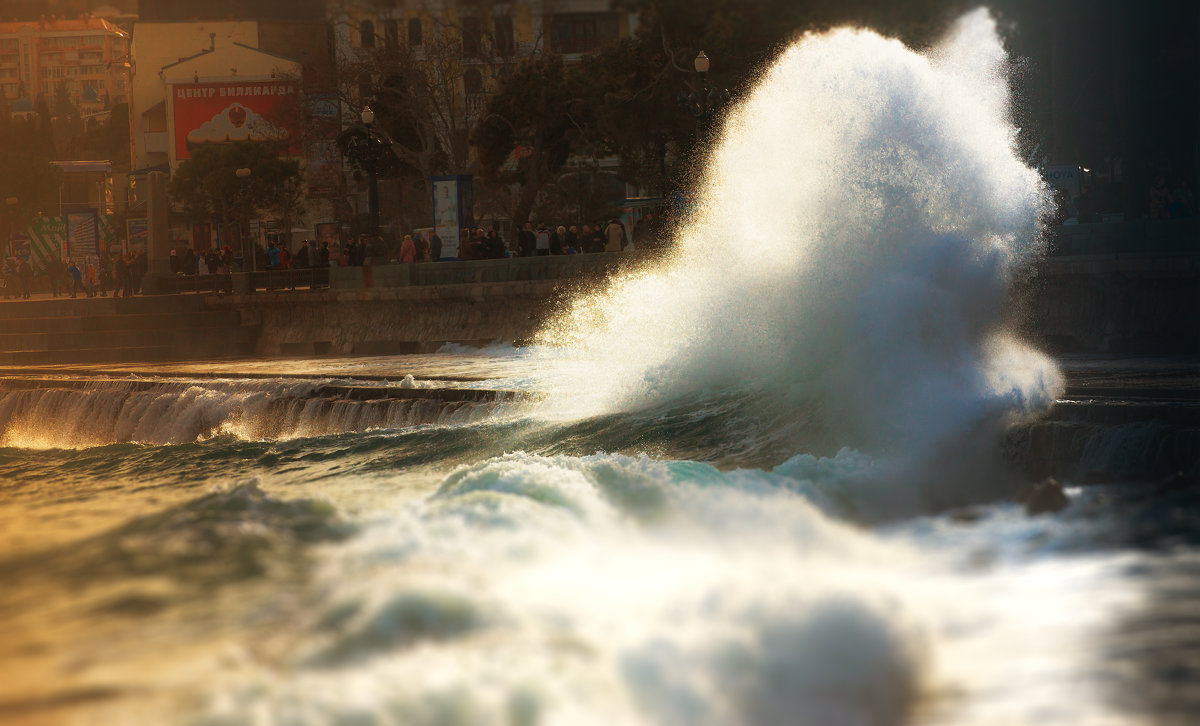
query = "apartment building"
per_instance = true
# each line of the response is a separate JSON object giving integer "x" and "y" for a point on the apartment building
{"x": 89, "y": 57}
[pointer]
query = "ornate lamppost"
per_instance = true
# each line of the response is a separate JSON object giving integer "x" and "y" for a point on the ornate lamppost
{"x": 243, "y": 174}
{"x": 10, "y": 213}
{"x": 706, "y": 102}
{"x": 370, "y": 151}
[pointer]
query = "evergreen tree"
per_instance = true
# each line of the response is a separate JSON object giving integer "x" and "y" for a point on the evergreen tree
{"x": 45, "y": 128}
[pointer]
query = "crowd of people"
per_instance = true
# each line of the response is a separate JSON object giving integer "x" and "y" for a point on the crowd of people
{"x": 120, "y": 274}
{"x": 1176, "y": 202}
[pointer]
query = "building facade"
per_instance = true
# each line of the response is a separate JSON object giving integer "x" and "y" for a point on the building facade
{"x": 88, "y": 57}
{"x": 466, "y": 47}
{"x": 185, "y": 75}
{"x": 200, "y": 83}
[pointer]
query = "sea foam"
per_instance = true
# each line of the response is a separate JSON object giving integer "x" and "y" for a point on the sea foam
{"x": 861, "y": 223}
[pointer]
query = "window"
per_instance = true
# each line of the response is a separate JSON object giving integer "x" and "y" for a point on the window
{"x": 414, "y": 31}
{"x": 503, "y": 35}
{"x": 473, "y": 81}
{"x": 366, "y": 34}
{"x": 472, "y": 37}
{"x": 391, "y": 34}
{"x": 583, "y": 32}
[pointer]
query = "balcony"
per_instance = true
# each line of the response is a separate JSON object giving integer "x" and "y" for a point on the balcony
{"x": 156, "y": 142}
{"x": 476, "y": 105}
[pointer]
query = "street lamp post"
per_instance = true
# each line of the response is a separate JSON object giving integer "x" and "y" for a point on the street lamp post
{"x": 706, "y": 102}
{"x": 10, "y": 209}
{"x": 371, "y": 152}
{"x": 243, "y": 174}
{"x": 368, "y": 118}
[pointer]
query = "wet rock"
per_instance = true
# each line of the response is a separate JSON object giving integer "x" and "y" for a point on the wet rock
{"x": 1045, "y": 497}
{"x": 965, "y": 515}
{"x": 1176, "y": 482}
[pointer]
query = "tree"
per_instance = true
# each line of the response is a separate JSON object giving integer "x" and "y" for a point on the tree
{"x": 427, "y": 97}
{"x": 631, "y": 89}
{"x": 207, "y": 186}
{"x": 45, "y": 128}
{"x": 527, "y": 131}
{"x": 26, "y": 173}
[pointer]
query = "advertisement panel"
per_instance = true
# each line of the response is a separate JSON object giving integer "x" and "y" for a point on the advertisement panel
{"x": 81, "y": 235}
{"x": 452, "y": 201}
{"x": 22, "y": 247}
{"x": 218, "y": 113}
{"x": 138, "y": 231}
{"x": 1065, "y": 178}
{"x": 323, "y": 159}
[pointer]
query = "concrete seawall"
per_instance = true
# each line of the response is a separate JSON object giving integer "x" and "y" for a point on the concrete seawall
{"x": 393, "y": 320}
{"x": 1118, "y": 303}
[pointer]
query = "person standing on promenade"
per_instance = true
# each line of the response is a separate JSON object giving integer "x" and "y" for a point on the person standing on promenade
{"x": 124, "y": 276}
{"x": 76, "y": 277}
{"x": 526, "y": 240}
{"x": 615, "y": 236}
{"x": 435, "y": 247}
{"x": 543, "y": 240}
{"x": 138, "y": 268}
{"x": 408, "y": 249}
{"x": 91, "y": 279}
{"x": 25, "y": 272}
{"x": 8, "y": 279}
{"x": 106, "y": 273}
{"x": 56, "y": 273}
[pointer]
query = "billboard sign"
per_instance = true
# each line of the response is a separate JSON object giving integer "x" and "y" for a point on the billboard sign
{"x": 452, "y": 211}
{"x": 48, "y": 237}
{"x": 1065, "y": 178}
{"x": 218, "y": 113}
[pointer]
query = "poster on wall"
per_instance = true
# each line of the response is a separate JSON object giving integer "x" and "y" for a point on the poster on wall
{"x": 219, "y": 113}
{"x": 81, "y": 235}
{"x": 48, "y": 241}
{"x": 323, "y": 172}
{"x": 22, "y": 247}
{"x": 138, "y": 231}
{"x": 452, "y": 202}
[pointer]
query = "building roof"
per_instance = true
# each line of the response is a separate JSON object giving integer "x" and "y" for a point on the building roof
{"x": 83, "y": 167}
{"x": 62, "y": 25}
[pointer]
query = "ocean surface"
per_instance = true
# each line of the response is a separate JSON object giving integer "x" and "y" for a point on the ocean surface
{"x": 313, "y": 546}
{"x": 768, "y": 481}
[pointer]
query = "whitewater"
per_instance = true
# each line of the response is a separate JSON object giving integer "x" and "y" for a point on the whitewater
{"x": 764, "y": 482}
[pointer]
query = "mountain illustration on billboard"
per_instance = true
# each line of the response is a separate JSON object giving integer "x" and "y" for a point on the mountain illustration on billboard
{"x": 235, "y": 123}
